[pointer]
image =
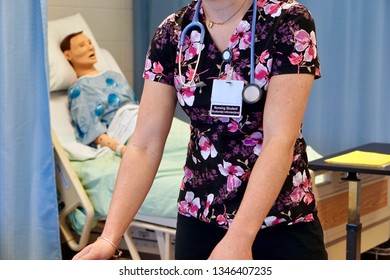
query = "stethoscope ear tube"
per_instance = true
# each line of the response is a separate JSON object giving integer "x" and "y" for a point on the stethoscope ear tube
{"x": 194, "y": 23}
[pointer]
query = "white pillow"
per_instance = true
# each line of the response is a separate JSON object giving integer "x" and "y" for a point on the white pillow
{"x": 62, "y": 74}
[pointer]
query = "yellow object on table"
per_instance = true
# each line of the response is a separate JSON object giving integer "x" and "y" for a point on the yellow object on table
{"x": 361, "y": 158}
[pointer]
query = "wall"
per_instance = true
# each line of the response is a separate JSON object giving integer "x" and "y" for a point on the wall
{"x": 149, "y": 14}
{"x": 111, "y": 23}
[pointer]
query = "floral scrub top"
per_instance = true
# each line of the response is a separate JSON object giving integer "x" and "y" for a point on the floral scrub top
{"x": 223, "y": 150}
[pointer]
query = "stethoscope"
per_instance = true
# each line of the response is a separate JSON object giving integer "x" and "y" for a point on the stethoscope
{"x": 251, "y": 92}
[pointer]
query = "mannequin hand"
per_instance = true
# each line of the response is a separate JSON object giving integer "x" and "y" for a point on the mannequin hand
{"x": 123, "y": 149}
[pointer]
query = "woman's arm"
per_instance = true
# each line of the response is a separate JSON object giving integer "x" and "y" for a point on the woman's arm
{"x": 287, "y": 98}
{"x": 138, "y": 166}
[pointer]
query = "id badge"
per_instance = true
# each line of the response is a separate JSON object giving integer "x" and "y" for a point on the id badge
{"x": 226, "y": 98}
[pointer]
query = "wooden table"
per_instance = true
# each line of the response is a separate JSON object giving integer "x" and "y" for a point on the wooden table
{"x": 354, "y": 226}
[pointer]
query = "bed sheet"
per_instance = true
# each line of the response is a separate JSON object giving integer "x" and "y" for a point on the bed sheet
{"x": 98, "y": 178}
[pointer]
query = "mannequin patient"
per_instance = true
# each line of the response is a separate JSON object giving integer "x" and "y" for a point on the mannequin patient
{"x": 96, "y": 96}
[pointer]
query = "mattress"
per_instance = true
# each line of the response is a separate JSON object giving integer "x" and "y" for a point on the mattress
{"x": 98, "y": 178}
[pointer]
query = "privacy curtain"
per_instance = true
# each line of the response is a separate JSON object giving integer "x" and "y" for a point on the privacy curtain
{"x": 350, "y": 104}
{"x": 28, "y": 204}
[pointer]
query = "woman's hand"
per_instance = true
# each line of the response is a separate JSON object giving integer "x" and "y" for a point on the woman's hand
{"x": 232, "y": 248}
{"x": 99, "y": 250}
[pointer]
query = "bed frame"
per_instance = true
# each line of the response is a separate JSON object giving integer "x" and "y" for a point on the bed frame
{"x": 73, "y": 195}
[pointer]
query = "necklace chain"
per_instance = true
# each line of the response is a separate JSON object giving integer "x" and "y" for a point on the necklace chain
{"x": 211, "y": 23}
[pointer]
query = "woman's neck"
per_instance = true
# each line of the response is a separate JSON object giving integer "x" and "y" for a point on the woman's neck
{"x": 222, "y": 18}
{"x": 223, "y": 11}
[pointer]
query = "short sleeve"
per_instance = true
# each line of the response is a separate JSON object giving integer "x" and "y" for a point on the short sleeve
{"x": 161, "y": 55}
{"x": 296, "y": 43}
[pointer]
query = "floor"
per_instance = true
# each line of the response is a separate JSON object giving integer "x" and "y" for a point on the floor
{"x": 67, "y": 254}
{"x": 382, "y": 253}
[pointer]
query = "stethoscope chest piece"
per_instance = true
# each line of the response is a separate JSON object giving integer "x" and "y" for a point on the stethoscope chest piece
{"x": 251, "y": 93}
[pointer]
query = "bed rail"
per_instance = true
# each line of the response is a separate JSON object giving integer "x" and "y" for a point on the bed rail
{"x": 72, "y": 195}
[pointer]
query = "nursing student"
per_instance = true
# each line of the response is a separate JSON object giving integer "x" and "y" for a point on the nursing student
{"x": 242, "y": 71}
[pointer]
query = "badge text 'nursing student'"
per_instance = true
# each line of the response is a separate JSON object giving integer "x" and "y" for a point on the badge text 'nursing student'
{"x": 226, "y": 98}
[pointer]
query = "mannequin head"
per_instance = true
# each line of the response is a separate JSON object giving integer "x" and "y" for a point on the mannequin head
{"x": 80, "y": 52}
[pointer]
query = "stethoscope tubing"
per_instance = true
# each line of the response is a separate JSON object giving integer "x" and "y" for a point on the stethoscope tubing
{"x": 195, "y": 23}
{"x": 253, "y": 35}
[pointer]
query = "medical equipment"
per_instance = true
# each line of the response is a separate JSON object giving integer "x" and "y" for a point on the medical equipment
{"x": 251, "y": 92}
{"x": 195, "y": 23}
{"x": 85, "y": 186}
{"x": 85, "y": 177}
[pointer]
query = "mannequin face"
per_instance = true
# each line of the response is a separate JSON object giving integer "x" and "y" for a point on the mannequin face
{"x": 82, "y": 52}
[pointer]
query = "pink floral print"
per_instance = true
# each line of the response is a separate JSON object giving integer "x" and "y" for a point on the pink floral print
{"x": 273, "y": 8}
{"x": 209, "y": 201}
{"x": 190, "y": 206}
{"x": 191, "y": 45}
{"x": 302, "y": 189}
{"x": 207, "y": 148}
{"x": 232, "y": 173}
{"x": 242, "y": 36}
{"x": 255, "y": 140}
{"x": 308, "y": 43}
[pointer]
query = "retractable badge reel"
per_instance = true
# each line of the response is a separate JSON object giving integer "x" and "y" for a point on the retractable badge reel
{"x": 227, "y": 55}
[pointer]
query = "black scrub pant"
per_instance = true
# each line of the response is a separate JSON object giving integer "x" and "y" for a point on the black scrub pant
{"x": 195, "y": 240}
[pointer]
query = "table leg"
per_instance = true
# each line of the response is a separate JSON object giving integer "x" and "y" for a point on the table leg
{"x": 354, "y": 227}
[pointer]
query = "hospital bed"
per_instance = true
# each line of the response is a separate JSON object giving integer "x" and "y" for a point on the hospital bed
{"x": 85, "y": 186}
{"x": 85, "y": 177}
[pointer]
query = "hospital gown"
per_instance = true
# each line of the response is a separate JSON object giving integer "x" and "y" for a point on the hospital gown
{"x": 93, "y": 102}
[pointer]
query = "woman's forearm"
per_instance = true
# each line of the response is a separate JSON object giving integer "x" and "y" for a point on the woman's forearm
{"x": 135, "y": 177}
{"x": 266, "y": 181}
